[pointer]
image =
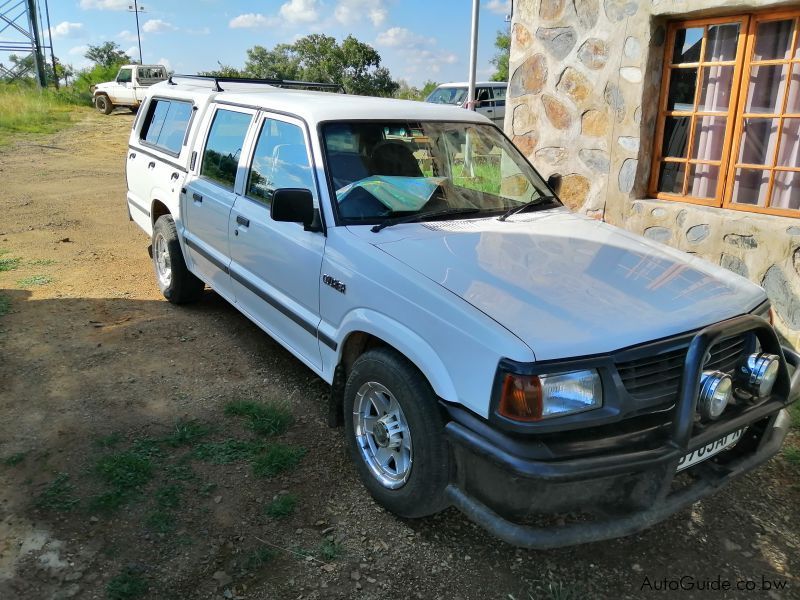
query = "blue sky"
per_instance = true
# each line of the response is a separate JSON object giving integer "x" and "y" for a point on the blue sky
{"x": 417, "y": 39}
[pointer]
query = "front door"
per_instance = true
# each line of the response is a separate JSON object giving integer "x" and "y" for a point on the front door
{"x": 209, "y": 197}
{"x": 275, "y": 267}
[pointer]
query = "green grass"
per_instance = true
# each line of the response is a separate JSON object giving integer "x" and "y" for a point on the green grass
{"x": 228, "y": 451}
{"x": 792, "y": 456}
{"x": 25, "y": 109}
{"x": 128, "y": 585}
{"x": 330, "y": 550}
{"x": 186, "y": 433}
{"x": 282, "y": 506}
{"x": 34, "y": 280}
{"x": 169, "y": 496}
{"x": 9, "y": 264}
{"x": 794, "y": 413}
{"x": 124, "y": 474}
{"x": 276, "y": 459}
{"x": 160, "y": 521}
{"x": 271, "y": 418}
{"x": 58, "y": 495}
{"x": 42, "y": 262}
{"x": 258, "y": 558}
{"x": 5, "y": 305}
{"x": 14, "y": 459}
{"x": 108, "y": 441}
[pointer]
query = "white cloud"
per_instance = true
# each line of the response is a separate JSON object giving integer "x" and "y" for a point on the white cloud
{"x": 157, "y": 26}
{"x": 500, "y": 7}
{"x": 105, "y": 4}
{"x": 251, "y": 21}
{"x": 300, "y": 11}
{"x": 78, "y": 50}
{"x": 126, "y": 36}
{"x": 65, "y": 29}
{"x": 165, "y": 62}
{"x": 349, "y": 12}
{"x": 133, "y": 52}
{"x": 400, "y": 37}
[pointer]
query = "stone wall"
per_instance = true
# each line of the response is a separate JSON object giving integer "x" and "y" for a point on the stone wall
{"x": 585, "y": 78}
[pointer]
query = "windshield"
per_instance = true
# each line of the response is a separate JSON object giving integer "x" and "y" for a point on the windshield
{"x": 386, "y": 170}
{"x": 449, "y": 95}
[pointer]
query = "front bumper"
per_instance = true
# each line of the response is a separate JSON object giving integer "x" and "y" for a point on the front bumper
{"x": 620, "y": 492}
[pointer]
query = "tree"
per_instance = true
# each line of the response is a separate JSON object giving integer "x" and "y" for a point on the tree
{"x": 223, "y": 71}
{"x": 317, "y": 57}
{"x": 107, "y": 54}
{"x": 410, "y": 92}
{"x": 500, "y": 60}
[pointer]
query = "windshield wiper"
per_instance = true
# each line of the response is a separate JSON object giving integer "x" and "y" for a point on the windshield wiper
{"x": 523, "y": 207}
{"x": 447, "y": 212}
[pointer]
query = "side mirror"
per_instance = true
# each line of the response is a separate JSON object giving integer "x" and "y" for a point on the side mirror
{"x": 295, "y": 205}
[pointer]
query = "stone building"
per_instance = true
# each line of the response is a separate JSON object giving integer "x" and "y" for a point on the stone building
{"x": 674, "y": 119}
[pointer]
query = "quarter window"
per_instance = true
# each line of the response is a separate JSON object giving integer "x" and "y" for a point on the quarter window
{"x": 280, "y": 161}
{"x": 166, "y": 123}
{"x": 729, "y": 116}
{"x": 224, "y": 146}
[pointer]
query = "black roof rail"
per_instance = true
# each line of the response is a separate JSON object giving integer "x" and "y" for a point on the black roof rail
{"x": 284, "y": 83}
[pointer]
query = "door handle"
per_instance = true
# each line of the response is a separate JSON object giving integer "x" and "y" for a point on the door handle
{"x": 174, "y": 176}
{"x": 197, "y": 197}
{"x": 132, "y": 155}
{"x": 151, "y": 164}
{"x": 242, "y": 221}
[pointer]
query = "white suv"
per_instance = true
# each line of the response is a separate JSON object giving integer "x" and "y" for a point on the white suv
{"x": 486, "y": 347}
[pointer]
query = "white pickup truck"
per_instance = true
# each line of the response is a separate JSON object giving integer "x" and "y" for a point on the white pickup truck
{"x": 487, "y": 348}
{"x": 128, "y": 89}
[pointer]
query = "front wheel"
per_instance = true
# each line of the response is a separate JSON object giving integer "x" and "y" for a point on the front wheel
{"x": 103, "y": 104}
{"x": 395, "y": 434}
{"x": 174, "y": 280}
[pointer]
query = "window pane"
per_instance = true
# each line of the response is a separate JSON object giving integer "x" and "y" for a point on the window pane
{"x": 750, "y": 187}
{"x": 722, "y": 42}
{"x": 280, "y": 161}
{"x": 709, "y": 137}
{"x": 670, "y": 179}
{"x": 766, "y": 89}
{"x": 682, "y": 84}
{"x": 157, "y": 113}
{"x": 221, "y": 155}
{"x": 175, "y": 125}
{"x": 687, "y": 45}
{"x": 759, "y": 137}
{"x": 703, "y": 181}
{"x": 789, "y": 154}
{"x": 786, "y": 190}
{"x": 773, "y": 39}
{"x": 715, "y": 94}
{"x": 793, "y": 101}
{"x": 676, "y": 137}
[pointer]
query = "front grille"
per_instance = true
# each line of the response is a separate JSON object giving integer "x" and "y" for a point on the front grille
{"x": 656, "y": 379}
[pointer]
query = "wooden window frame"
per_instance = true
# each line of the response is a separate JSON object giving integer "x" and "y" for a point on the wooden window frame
{"x": 734, "y": 116}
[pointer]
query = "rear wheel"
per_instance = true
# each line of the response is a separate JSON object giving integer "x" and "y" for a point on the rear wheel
{"x": 103, "y": 104}
{"x": 395, "y": 433}
{"x": 174, "y": 280}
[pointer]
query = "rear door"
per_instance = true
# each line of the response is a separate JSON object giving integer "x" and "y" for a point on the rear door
{"x": 209, "y": 197}
{"x": 499, "y": 104}
{"x": 484, "y": 102}
{"x": 275, "y": 267}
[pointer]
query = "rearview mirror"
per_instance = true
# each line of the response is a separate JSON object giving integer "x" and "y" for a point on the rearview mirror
{"x": 295, "y": 205}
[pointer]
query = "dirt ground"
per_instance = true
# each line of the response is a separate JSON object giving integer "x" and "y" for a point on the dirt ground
{"x": 94, "y": 365}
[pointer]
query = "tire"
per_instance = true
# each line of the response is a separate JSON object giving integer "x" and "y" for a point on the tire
{"x": 377, "y": 377}
{"x": 103, "y": 104}
{"x": 178, "y": 285}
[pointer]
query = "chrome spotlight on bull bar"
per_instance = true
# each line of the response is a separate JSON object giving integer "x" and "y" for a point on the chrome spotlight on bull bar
{"x": 712, "y": 385}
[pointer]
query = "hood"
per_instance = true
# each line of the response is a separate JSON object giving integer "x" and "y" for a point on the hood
{"x": 568, "y": 285}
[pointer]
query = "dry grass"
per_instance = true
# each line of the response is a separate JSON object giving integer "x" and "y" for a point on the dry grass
{"x": 26, "y": 109}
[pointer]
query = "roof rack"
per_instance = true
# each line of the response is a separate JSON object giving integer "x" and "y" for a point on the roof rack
{"x": 284, "y": 83}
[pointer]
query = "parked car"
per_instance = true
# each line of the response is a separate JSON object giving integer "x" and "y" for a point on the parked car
{"x": 129, "y": 87}
{"x": 486, "y": 347}
{"x": 490, "y": 97}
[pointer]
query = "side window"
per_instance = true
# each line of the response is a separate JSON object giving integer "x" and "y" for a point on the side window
{"x": 483, "y": 98}
{"x": 124, "y": 76}
{"x": 166, "y": 123}
{"x": 500, "y": 96}
{"x": 280, "y": 161}
{"x": 223, "y": 147}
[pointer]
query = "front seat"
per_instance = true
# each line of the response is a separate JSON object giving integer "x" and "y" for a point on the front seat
{"x": 394, "y": 158}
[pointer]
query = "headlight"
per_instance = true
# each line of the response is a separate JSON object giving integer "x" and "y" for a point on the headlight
{"x": 716, "y": 389}
{"x": 536, "y": 397}
{"x": 761, "y": 370}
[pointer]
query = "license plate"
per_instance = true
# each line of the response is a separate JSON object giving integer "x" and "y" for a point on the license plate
{"x": 712, "y": 448}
